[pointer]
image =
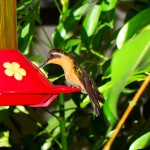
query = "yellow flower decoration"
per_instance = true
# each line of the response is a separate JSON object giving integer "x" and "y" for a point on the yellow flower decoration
{"x": 13, "y": 69}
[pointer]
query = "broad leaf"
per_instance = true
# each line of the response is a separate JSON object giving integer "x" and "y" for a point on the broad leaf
{"x": 141, "y": 143}
{"x": 65, "y": 29}
{"x": 25, "y": 37}
{"x": 133, "y": 56}
{"x": 90, "y": 24}
{"x": 108, "y": 5}
{"x": 28, "y": 15}
{"x": 132, "y": 27}
{"x": 4, "y": 139}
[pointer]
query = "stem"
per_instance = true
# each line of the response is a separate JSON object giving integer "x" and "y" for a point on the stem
{"x": 127, "y": 112}
{"x": 65, "y": 5}
{"x": 46, "y": 35}
{"x": 62, "y": 122}
{"x": 99, "y": 55}
{"x": 42, "y": 41}
{"x": 41, "y": 126}
{"x": 57, "y": 5}
{"x": 37, "y": 50}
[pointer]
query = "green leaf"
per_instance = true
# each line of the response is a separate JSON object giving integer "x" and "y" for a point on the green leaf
{"x": 108, "y": 5}
{"x": 53, "y": 123}
{"x": 128, "y": 91}
{"x": 37, "y": 58}
{"x": 132, "y": 27}
{"x": 29, "y": 11}
{"x": 72, "y": 45}
{"x": 52, "y": 79}
{"x": 49, "y": 141}
{"x": 85, "y": 102}
{"x": 105, "y": 88}
{"x": 138, "y": 77}
{"x": 25, "y": 37}
{"x": 65, "y": 29}
{"x": 98, "y": 38}
{"x": 108, "y": 12}
{"x": 4, "y": 139}
{"x": 141, "y": 143}
{"x": 19, "y": 109}
{"x": 134, "y": 55}
{"x": 27, "y": 15}
{"x": 90, "y": 24}
{"x": 23, "y": 9}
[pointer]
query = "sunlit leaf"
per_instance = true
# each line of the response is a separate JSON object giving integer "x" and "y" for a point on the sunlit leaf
{"x": 89, "y": 24}
{"x": 65, "y": 29}
{"x": 141, "y": 142}
{"x": 132, "y": 27}
{"x": 19, "y": 109}
{"x": 49, "y": 141}
{"x": 28, "y": 15}
{"x": 25, "y": 37}
{"x": 85, "y": 102}
{"x": 56, "y": 78}
{"x": 53, "y": 123}
{"x": 128, "y": 91}
{"x": 108, "y": 5}
{"x": 138, "y": 77}
{"x": 108, "y": 8}
{"x": 104, "y": 89}
{"x": 134, "y": 55}
{"x": 72, "y": 45}
{"x": 4, "y": 139}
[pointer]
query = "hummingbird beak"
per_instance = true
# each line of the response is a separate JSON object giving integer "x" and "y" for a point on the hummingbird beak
{"x": 45, "y": 63}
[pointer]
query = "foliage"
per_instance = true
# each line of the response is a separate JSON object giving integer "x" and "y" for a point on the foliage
{"x": 118, "y": 60}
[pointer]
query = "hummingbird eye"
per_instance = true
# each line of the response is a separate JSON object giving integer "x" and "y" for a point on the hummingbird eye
{"x": 51, "y": 56}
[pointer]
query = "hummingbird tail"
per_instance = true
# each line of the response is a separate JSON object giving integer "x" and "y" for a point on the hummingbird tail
{"x": 101, "y": 99}
{"x": 96, "y": 109}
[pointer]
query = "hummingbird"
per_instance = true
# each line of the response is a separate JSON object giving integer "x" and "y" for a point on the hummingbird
{"x": 76, "y": 76}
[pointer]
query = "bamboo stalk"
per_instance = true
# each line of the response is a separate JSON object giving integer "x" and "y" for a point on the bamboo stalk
{"x": 8, "y": 33}
{"x": 127, "y": 113}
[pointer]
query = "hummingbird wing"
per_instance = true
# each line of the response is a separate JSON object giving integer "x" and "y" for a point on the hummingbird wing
{"x": 90, "y": 87}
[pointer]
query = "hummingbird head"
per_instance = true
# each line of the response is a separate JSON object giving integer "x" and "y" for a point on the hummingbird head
{"x": 57, "y": 56}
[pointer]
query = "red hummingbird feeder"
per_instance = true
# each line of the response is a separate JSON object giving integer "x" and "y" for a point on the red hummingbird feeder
{"x": 21, "y": 82}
